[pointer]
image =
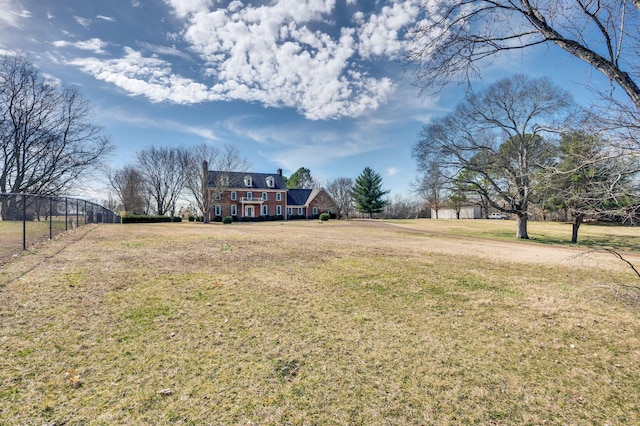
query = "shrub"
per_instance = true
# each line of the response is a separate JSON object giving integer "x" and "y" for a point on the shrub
{"x": 143, "y": 218}
{"x": 324, "y": 217}
{"x": 227, "y": 220}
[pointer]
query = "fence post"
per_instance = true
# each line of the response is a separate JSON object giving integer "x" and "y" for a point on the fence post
{"x": 24, "y": 221}
{"x": 50, "y": 217}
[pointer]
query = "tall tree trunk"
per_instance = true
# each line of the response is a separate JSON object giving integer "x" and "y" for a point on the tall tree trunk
{"x": 577, "y": 221}
{"x": 521, "y": 222}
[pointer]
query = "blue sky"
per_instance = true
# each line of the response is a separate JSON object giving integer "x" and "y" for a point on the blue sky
{"x": 291, "y": 83}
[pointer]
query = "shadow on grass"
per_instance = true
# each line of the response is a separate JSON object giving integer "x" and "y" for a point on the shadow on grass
{"x": 615, "y": 242}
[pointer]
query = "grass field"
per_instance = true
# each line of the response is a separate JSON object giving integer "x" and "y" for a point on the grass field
{"x": 11, "y": 234}
{"x": 361, "y": 322}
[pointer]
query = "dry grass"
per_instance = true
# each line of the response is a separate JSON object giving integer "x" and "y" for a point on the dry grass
{"x": 11, "y": 235}
{"x": 309, "y": 323}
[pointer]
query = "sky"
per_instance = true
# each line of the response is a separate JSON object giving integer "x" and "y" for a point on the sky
{"x": 319, "y": 84}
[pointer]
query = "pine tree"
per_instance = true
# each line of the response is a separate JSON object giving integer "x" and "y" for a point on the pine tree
{"x": 368, "y": 193}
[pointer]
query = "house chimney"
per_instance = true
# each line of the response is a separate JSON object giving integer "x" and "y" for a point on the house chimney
{"x": 279, "y": 171}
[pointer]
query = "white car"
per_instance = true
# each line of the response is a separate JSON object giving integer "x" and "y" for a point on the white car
{"x": 497, "y": 216}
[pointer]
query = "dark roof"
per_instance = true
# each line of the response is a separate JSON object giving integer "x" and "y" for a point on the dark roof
{"x": 298, "y": 197}
{"x": 236, "y": 180}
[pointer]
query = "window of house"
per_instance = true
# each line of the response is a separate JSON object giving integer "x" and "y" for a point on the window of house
{"x": 234, "y": 195}
{"x": 217, "y": 210}
{"x": 234, "y": 210}
{"x": 265, "y": 196}
{"x": 224, "y": 180}
{"x": 248, "y": 181}
{"x": 217, "y": 196}
{"x": 271, "y": 182}
{"x": 289, "y": 211}
{"x": 278, "y": 210}
{"x": 249, "y": 195}
{"x": 278, "y": 196}
{"x": 300, "y": 211}
{"x": 265, "y": 210}
{"x": 315, "y": 210}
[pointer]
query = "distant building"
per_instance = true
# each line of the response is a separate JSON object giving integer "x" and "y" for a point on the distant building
{"x": 467, "y": 211}
{"x": 246, "y": 196}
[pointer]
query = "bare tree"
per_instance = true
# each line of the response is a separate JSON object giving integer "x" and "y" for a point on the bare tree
{"x": 46, "y": 139}
{"x": 129, "y": 186}
{"x": 400, "y": 207}
{"x": 492, "y": 144}
{"x": 164, "y": 176}
{"x": 228, "y": 159}
{"x": 111, "y": 202}
{"x": 430, "y": 187}
{"x": 341, "y": 190}
{"x": 457, "y": 37}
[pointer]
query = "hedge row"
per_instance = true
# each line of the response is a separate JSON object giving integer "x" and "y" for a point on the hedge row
{"x": 250, "y": 219}
{"x": 272, "y": 218}
{"x": 142, "y": 218}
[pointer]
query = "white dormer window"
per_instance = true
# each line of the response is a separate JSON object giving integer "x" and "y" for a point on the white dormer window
{"x": 224, "y": 180}
{"x": 248, "y": 181}
{"x": 271, "y": 182}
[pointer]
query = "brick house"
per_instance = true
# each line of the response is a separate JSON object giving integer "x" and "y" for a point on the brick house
{"x": 244, "y": 195}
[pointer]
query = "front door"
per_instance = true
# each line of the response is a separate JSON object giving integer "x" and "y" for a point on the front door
{"x": 249, "y": 211}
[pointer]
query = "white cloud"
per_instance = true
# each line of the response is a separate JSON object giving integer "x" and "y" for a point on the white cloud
{"x": 152, "y": 123}
{"x": 380, "y": 34}
{"x": 321, "y": 147}
{"x": 106, "y": 18}
{"x": 150, "y": 77}
{"x": 392, "y": 171}
{"x": 12, "y": 14}
{"x": 94, "y": 45}
{"x": 183, "y": 8}
{"x": 283, "y": 53}
{"x": 269, "y": 54}
{"x": 52, "y": 79}
{"x": 82, "y": 21}
{"x": 165, "y": 50}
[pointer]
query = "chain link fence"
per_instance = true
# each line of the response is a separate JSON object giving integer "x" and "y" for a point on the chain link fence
{"x": 27, "y": 219}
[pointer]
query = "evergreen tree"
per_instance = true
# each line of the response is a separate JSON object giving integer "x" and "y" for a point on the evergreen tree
{"x": 368, "y": 192}
{"x": 301, "y": 178}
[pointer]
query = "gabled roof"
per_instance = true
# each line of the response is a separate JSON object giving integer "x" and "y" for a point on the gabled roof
{"x": 237, "y": 180}
{"x": 298, "y": 197}
{"x": 302, "y": 197}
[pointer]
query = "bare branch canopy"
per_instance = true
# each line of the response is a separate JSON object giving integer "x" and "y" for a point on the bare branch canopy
{"x": 457, "y": 37}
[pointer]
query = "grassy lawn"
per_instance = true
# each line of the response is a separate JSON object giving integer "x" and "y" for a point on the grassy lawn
{"x": 309, "y": 323}
{"x": 36, "y": 232}
{"x": 612, "y": 236}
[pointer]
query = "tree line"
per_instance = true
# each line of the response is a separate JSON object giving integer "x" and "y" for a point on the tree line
{"x": 163, "y": 176}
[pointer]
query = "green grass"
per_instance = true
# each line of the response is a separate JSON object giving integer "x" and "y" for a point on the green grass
{"x": 11, "y": 234}
{"x": 618, "y": 237}
{"x": 303, "y": 323}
